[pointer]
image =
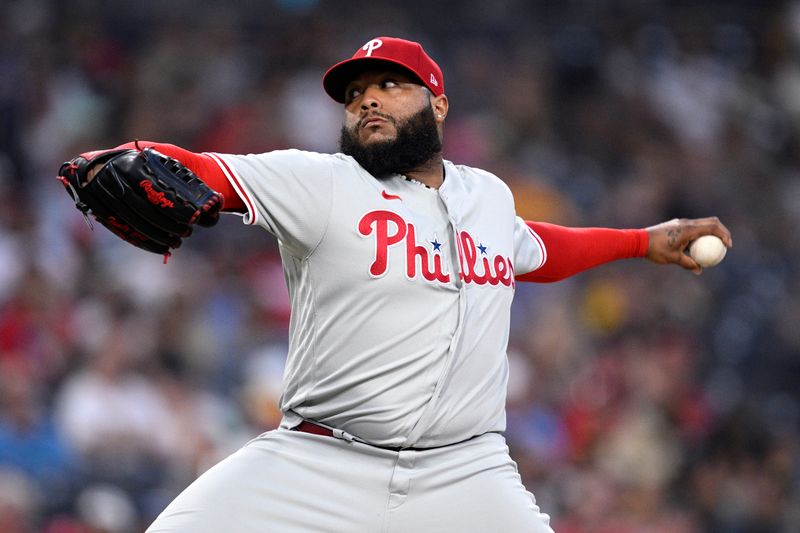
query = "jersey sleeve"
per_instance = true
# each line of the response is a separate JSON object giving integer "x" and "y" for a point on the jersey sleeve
{"x": 547, "y": 252}
{"x": 530, "y": 252}
{"x": 288, "y": 192}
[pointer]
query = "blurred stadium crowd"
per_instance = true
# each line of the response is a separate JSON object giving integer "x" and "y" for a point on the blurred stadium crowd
{"x": 642, "y": 398}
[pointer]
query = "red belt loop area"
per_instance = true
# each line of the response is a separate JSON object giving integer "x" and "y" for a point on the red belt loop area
{"x": 309, "y": 427}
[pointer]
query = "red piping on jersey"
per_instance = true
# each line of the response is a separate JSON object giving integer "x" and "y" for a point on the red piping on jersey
{"x": 542, "y": 247}
{"x": 234, "y": 182}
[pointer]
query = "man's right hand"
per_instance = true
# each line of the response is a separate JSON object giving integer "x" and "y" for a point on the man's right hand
{"x": 670, "y": 240}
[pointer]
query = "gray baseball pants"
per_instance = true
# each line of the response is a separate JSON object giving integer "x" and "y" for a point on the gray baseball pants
{"x": 287, "y": 481}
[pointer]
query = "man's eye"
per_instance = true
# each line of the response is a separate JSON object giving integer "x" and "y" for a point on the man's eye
{"x": 352, "y": 93}
{"x": 386, "y": 84}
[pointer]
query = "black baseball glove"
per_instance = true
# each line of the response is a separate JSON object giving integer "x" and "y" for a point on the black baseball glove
{"x": 144, "y": 197}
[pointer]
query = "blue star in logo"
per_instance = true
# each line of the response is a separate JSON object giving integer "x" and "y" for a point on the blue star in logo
{"x": 482, "y": 248}
{"x": 436, "y": 244}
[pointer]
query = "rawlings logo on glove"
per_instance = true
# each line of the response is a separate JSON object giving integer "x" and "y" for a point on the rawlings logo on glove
{"x": 144, "y": 197}
{"x": 155, "y": 197}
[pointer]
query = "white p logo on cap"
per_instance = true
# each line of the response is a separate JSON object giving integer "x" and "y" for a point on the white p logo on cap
{"x": 372, "y": 45}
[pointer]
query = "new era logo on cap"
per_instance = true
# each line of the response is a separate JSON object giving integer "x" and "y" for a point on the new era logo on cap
{"x": 408, "y": 55}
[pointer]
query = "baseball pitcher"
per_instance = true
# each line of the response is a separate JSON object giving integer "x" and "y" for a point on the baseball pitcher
{"x": 401, "y": 267}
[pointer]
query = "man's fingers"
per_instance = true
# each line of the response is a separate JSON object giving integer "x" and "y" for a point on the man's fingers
{"x": 686, "y": 261}
{"x": 712, "y": 226}
{"x": 91, "y": 173}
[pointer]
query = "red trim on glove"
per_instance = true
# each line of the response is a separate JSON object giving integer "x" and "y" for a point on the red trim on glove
{"x": 204, "y": 167}
{"x": 573, "y": 250}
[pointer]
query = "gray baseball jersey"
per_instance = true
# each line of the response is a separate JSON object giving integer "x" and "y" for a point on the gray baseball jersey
{"x": 400, "y": 293}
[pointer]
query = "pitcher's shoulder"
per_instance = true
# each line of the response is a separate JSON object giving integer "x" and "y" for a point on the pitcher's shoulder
{"x": 478, "y": 179}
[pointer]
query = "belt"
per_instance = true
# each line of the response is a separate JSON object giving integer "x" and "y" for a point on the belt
{"x": 310, "y": 427}
{"x": 315, "y": 429}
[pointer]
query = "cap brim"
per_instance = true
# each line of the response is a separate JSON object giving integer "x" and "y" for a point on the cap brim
{"x": 337, "y": 78}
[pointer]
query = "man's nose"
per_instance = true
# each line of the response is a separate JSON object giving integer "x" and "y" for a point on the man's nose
{"x": 370, "y": 99}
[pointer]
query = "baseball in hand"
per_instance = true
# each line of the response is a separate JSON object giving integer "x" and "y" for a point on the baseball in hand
{"x": 707, "y": 250}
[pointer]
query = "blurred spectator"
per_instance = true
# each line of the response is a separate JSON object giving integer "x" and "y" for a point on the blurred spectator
{"x": 19, "y": 502}
{"x": 30, "y": 442}
{"x": 116, "y": 419}
{"x": 106, "y": 509}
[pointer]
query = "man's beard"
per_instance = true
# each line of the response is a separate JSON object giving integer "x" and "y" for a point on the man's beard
{"x": 417, "y": 141}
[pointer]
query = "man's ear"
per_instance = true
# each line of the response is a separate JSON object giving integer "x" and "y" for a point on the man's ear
{"x": 440, "y": 106}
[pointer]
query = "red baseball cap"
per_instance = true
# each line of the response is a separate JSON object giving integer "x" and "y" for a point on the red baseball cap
{"x": 378, "y": 52}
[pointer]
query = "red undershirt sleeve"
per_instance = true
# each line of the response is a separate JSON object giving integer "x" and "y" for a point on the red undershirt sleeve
{"x": 573, "y": 250}
{"x": 204, "y": 168}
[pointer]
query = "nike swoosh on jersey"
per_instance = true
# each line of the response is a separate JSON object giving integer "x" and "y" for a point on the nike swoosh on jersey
{"x": 390, "y": 196}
